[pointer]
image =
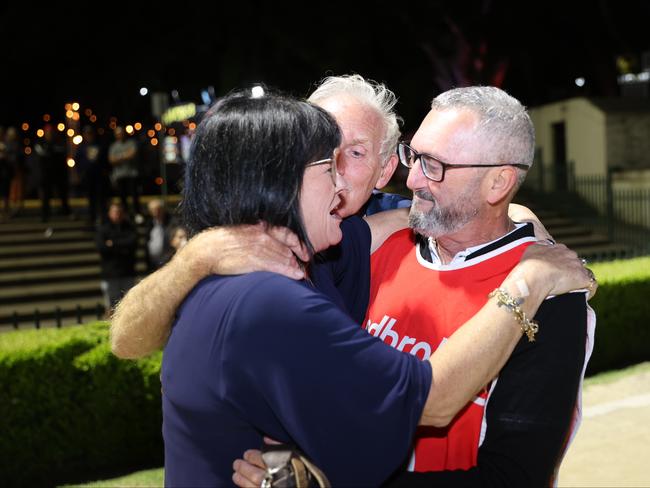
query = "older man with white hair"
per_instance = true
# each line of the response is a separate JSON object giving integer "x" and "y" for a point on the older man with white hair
{"x": 365, "y": 112}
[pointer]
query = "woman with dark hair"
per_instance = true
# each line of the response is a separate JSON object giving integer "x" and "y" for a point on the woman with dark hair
{"x": 257, "y": 175}
{"x": 260, "y": 354}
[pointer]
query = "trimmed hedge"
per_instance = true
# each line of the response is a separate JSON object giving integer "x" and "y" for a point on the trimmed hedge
{"x": 70, "y": 409}
{"x": 622, "y": 306}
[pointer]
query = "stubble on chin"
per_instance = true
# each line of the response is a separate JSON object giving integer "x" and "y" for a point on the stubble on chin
{"x": 438, "y": 221}
{"x": 422, "y": 222}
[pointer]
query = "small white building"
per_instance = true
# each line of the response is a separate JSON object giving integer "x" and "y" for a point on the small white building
{"x": 594, "y": 134}
{"x": 583, "y": 138}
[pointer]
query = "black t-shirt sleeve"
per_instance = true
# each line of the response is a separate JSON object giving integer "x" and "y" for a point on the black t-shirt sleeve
{"x": 530, "y": 411}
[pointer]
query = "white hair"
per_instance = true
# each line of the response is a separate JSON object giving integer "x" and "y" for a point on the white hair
{"x": 368, "y": 92}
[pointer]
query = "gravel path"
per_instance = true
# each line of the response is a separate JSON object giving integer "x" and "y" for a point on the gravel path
{"x": 612, "y": 447}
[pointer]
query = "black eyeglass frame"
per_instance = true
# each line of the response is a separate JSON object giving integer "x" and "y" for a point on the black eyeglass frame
{"x": 443, "y": 165}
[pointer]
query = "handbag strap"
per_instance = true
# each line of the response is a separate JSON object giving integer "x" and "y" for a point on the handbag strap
{"x": 317, "y": 475}
{"x": 286, "y": 467}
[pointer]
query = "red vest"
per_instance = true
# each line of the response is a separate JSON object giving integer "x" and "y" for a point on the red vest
{"x": 415, "y": 306}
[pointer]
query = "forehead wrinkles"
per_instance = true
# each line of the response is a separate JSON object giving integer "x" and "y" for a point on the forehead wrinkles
{"x": 356, "y": 141}
{"x": 359, "y": 124}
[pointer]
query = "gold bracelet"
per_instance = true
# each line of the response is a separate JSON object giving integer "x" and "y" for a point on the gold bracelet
{"x": 528, "y": 327}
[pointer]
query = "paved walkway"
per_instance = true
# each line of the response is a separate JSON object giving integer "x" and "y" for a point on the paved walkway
{"x": 612, "y": 447}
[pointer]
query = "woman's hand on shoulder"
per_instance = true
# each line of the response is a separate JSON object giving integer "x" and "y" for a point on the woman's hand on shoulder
{"x": 556, "y": 268}
{"x": 519, "y": 213}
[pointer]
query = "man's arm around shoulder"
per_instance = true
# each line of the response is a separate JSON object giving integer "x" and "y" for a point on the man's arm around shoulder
{"x": 143, "y": 319}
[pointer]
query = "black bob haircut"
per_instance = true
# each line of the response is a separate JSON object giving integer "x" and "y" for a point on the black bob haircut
{"x": 247, "y": 160}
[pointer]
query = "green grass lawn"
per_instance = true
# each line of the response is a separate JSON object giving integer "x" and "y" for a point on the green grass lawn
{"x": 611, "y": 376}
{"x": 622, "y": 269}
{"x": 146, "y": 478}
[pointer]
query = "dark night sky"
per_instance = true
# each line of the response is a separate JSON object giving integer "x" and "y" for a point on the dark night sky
{"x": 55, "y": 54}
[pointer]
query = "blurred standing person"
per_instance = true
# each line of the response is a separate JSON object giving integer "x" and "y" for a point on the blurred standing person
{"x": 158, "y": 238}
{"x": 123, "y": 157}
{"x": 178, "y": 237}
{"x": 117, "y": 242}
{"x": 94, "y": 171}
{"x": 16, "y": 158}
{"x": 53, "y": 171}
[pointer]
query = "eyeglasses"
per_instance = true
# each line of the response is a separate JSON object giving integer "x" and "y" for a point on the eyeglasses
{"x": 332, "y": 162}
{"x": 433, "y": 168}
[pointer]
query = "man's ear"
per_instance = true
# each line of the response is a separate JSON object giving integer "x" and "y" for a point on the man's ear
{"x": 387, "y": 172}
{"x": 502, "y": 181}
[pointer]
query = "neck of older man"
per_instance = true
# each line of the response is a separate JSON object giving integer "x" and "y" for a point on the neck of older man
{"x": 485, "y": 227}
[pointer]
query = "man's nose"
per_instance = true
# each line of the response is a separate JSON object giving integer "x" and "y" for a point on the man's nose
{"x": 341, "y": 163}
{"x": 341, "y": 183}
{"x": 416, "y": 178}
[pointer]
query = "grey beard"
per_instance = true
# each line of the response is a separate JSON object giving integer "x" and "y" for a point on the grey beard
{"x": 439, "y": 221}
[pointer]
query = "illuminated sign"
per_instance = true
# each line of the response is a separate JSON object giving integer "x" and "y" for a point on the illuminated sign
{"x": 179, "y": 113}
